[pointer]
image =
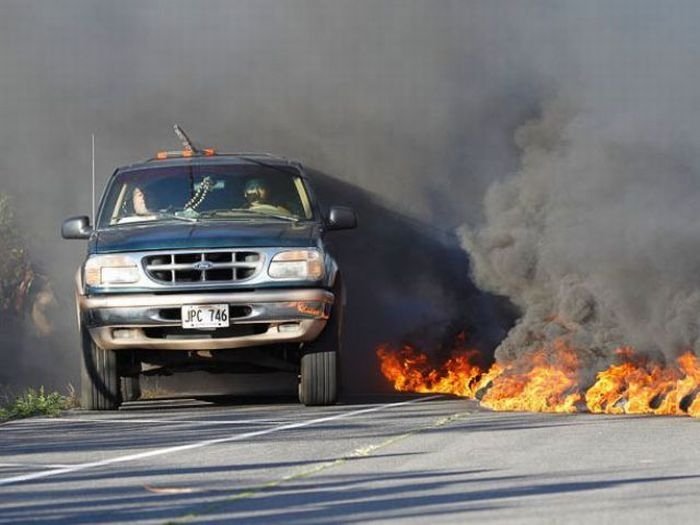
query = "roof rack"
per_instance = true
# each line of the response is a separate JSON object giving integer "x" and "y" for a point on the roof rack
{"x": 191, "y": 150}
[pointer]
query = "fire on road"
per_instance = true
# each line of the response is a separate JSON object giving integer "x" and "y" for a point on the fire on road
{"x": 551, "y": 380}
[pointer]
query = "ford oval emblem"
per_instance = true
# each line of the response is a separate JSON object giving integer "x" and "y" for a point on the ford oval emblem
{"x": 203, "y": 265}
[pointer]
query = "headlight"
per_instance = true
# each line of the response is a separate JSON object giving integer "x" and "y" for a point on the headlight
{"x": 111, "y": 269}
{"x": 297, "y": 264}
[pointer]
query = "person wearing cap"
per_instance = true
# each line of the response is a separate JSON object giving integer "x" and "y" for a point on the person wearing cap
{"x": 257, "y": 195}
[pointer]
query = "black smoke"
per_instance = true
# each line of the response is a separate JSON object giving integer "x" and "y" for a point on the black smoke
{"x": 410, "y": 106}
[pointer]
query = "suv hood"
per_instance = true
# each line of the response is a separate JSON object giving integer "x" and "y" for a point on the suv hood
{"x": 206, "y": 235}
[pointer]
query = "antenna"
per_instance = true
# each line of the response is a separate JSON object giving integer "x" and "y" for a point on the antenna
{"x": 186, "y": 142}
{"x": 93, "y": 179}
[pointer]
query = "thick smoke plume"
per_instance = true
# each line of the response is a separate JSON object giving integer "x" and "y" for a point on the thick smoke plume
{"x": 406, "y": 109}
{"x": 596, "y": 237}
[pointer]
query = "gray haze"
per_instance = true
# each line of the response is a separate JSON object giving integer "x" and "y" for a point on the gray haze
{"x": 413, "y": 106}
{"x": 596, "y": 235}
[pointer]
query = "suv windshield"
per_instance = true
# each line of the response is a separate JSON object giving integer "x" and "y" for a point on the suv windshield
{"x": 198, "y": 192}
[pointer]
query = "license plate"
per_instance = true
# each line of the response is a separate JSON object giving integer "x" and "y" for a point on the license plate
{"x": 204, "y": 315}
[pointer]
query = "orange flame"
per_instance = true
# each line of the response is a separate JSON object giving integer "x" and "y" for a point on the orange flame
{"x": 641, "y": 387}
{"x": 548, "y": 383}
{"x": 548, "y": 380}
{"x": 410, "y": 371}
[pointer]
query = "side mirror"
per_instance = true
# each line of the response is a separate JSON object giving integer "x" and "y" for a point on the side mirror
{"x": 341, "y": 218}
{"x": 76, "y": 228}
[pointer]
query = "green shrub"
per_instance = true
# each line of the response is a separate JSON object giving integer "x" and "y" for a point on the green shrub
{"x": 35, "y": 403}
{"x": 14, "y": 263}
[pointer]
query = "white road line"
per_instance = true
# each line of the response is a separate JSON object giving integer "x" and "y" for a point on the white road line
{"x": 161, "y": 421}
{"x": 35, "y": 465}
{"x": 205, "y": 443}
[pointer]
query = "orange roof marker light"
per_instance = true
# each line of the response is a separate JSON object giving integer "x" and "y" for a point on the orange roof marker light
{"x": 186, "y": 153}
{"x": 189, "y": 149}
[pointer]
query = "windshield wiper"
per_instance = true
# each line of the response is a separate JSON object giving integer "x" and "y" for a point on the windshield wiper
{"x": 288, "y": 218}
{"x": 247, "y": 213}
{"x": 170, "y": 215}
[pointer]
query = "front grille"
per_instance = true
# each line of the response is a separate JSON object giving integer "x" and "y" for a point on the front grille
{"x": 202, "y": 267}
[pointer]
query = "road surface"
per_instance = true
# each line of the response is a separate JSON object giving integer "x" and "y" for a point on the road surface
{"x": 398, "y": 459}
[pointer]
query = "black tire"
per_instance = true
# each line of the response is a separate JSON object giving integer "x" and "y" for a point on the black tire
{"x": 319, "y": 384}
{"x": 320, "y": 361}
{"x": 131, "y": 388}
{"x": 100, "y": 382}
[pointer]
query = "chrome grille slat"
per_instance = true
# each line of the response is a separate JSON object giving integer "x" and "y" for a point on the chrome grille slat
{"x": 181, "y": 266}
{"x": 186, "y": 268}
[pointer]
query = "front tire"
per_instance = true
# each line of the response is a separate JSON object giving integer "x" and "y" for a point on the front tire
{"x": 319, "y": 383}
{"x": 100, "y": 382}
{"x": 320, "y": 362}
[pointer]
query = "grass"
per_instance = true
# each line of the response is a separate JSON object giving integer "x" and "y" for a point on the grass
{"x": 36, "y": 403}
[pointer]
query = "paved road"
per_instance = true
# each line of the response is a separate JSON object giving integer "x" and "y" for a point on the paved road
{"x": 401, "y": 460}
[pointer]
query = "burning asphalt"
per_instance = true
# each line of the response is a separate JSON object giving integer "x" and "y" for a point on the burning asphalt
{"x": 549, "y": 380}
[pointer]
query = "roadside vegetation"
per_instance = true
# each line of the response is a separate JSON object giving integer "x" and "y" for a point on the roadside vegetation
{"x": 33, "y": 402}
{"x": 15, "y": 261}
{"x": 18, "y": 291}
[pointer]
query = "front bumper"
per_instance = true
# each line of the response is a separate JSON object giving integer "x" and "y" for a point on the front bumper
{"x": 150, "y": 321}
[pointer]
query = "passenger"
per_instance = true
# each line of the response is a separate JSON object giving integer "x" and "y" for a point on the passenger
{"x": 257, "y": 195}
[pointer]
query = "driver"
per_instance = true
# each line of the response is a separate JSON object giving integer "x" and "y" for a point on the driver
{"x": 138, "y": 200}
{"x": 257, "y": 194}
{"x": 140, "y": 210}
